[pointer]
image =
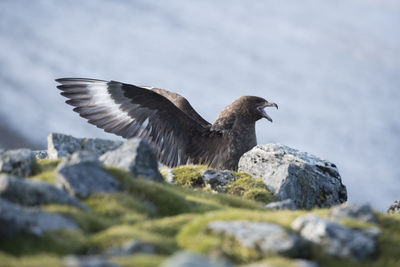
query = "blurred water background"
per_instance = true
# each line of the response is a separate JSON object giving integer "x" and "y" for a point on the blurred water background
{"x": 332, "y": 66}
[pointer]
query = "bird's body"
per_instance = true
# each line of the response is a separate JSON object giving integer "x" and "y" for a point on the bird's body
{"x": 178, "y": 134}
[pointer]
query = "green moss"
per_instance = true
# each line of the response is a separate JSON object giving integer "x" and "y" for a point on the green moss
{"x": 142, "y": 260}
{"x": 43, "y": 260}
{"x": 44, "y": 170}
{"x": 189, "y": 175}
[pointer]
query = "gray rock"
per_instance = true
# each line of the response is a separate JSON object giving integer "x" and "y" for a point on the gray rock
{"x": 135, "y": 156}
{"x": 80, "y": 175}
{"x": 288, "y": 173}
{"x": 294, "y": 263}
{"x": 41, "y": 154}
{"x": 355, "y": 211}
{"x": 16, "y": 219}
{"x": 261, "y": 236}
{"x": 17, "y": 162}
{"x": 33, "y": 193}
{"x": 62, "y": 145}
{"x": 287, "y": 204}
{"x": 217, "y": 179}
{"x": 87, "y": 261}
{"x": 132, "y": 247}
{"x": 394, "y": 208}
{"x": 335, "y": 239}
{"x": 191, "y": 259}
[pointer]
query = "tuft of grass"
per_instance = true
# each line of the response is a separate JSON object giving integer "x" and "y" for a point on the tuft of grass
{"x": 44, "y": 170}
{"x": 42, "y": 259}
{"x": 189, "y": 175}
{"x": 139, "y": 259}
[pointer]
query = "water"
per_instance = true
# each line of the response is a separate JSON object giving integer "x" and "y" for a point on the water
{"x": 332, "y": 66}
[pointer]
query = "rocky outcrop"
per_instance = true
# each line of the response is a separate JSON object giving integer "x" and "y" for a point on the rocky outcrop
{"x": 17, "y": 162}
{"x": 62, "y": 145}
{"x": 191, "y": 259}
{"x": 359, "y": 212}
{"x": 81, "y": 175}
{"x": 217, "y": 179}
{"x": 15, "y": 219}
{"x": 394, "y": 208}
{"x": 131, "y": 247}
{"x": 286, "y": 204}
{"x": 135, "y": 156}
{"x": 306, "y": 179}
{"x": 87, "y": 261}
{"x": 267, "y": 237}
{"x": 33, "y": 193}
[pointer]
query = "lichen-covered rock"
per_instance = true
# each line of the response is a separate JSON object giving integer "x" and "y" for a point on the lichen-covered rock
{"x": 62, "y": 145}
{"x": 308, "y": 180}
{"x": 34, "y": 193}
{"x": 355, "y": 211}
{"x": 335, "y": 239}
{"x": 191, "y": 259}
{"x": 87, "y": 261}
{"x": 217, "y": 179}
{"x": 80, "y": 175}
{"x": 394, "y": 208}
{"x": 135, "y": 156}
{"x": 286, "y": 204}
{"x": 131, "y": 247}
{"x": 265, "y": 237}
{"x": 15, "y": 219}
{"x": 41, "y": 154}
{"x": 17, "y": 162}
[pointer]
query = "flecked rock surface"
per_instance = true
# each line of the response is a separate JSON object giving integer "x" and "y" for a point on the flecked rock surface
{"x": 16, "y": 219}
{"x": 135, "y": 156}
{"x": 33, "y": 193}
{"x": 190, "y": 259}
{"x": 360, "y": 212}
{"x": 217, "y": 179}
{"x": 308, "y": 180}
{"x": 335, "y": 239}
{"x": 394, "y": 208}
{"x": 62, "y": 145}
{"x": 80, "y": 175}
{"x": 263, "y": 236}
{"x": 286, "y": 204}
{"x": 17, "y": 162}
{"x": 41, "y": 154}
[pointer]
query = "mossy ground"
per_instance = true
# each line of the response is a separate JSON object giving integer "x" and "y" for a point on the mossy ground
{"x": 172, "y": 218}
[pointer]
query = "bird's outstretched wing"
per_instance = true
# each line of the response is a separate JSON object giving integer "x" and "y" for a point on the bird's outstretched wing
{"x": 127, "y": 110}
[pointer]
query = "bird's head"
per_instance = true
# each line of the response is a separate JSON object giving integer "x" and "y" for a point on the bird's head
{"x": 255, "y": 107}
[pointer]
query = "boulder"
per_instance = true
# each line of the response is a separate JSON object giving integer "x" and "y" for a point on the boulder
{"x": 16, "y": 219}
{"x": 191, "y": 259}
{"x": 353, "y": 211}
{"x": 286, "y": 204}
{"x": 335, "y": 239}
{"x": 135, "y": 156}
{"x": 41, "y": 154}
{"x": 17, "y": 162}
{"x": 217, "y": 179}
{"x": 306, "y": 179}
{"x": 81, "y": 175}
{"x": 62, "y": 145}
{"x": 264, "y": 237}
{"x": 87, "y": 261}
{"x": 131, "y": 247}
{"x": 394, "y": 208}
{"x": 33, "y": 193}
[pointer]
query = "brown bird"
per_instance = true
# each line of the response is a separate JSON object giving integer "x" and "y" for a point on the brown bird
{"x": 178, "y": 134}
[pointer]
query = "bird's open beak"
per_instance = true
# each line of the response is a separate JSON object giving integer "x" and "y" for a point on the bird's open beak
{"x": 262, "y": 111}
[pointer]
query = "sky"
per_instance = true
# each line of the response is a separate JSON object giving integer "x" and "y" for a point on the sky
{"x": 331, "y": 66}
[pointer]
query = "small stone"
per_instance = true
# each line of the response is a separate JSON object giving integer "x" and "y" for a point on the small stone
{"x": 16, "y": 219}
{"x": 217, "y": 179}
{"x": 286, "y": 204}
{"x": 355, "y": 211}
{"x": 394, "y": 208}
{"x": 87, "y": 261}
{"x": 132, "y": 247}
{"x": 191, "y": 259}
{"x": 261, "y": 236}
{"x": 135, "y": 156}
{"x": 335, "y": 239}
{"x": 41, "y": 154}
{"x": 34, "y": 193}
{"x": 17, "y": 162}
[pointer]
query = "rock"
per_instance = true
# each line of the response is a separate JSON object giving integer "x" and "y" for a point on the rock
{"x": 132, "y": 247}
{"x": 335, "y": 239}
{"x": 16, "y": 219}
{"x": 191, "y": 259}
{"x": 87, "y": 261}
{"x": 135, "y": 156}
{"x": 294, "y": 263}
{"x": 62, "y": 145}
{"x": 355, "y": 211}
{"x": 217, "y": 179}
{"x": 41, "y": 154}
{"x": 168, "y": 174}
{"x": 289, "y": 173}
{"x": 80, "y": 175}
{"x": 32, "y": 193}
{"x": 261, "y": 236}
{"x": 287, "y": 204}
{"x": 394, "y": 208}
{"x": 17, "y": 162}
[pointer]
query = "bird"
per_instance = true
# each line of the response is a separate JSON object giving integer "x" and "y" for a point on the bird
{"x": 167, "y": 121}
